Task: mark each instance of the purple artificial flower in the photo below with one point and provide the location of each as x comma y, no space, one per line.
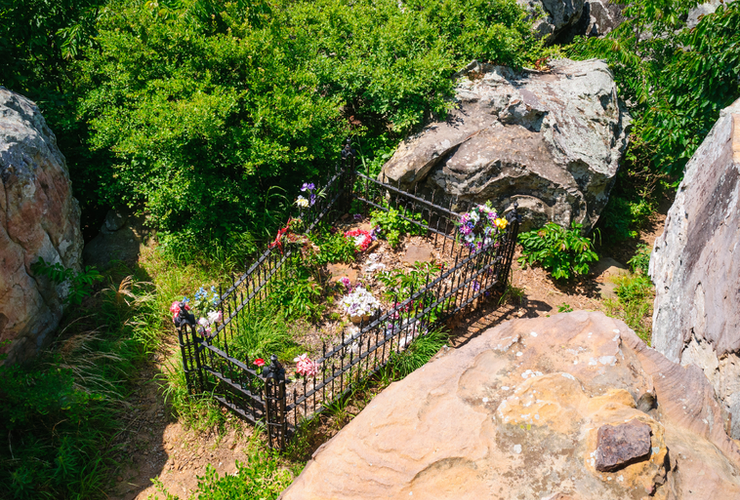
476,285
308,186
357,216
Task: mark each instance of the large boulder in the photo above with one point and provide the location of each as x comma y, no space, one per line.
38,218
552,18
550,141
574,406
695,265
560,21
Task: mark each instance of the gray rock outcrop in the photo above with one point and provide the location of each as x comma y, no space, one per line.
559,21
550,141
703,9
553,17
532,409
38,218
695,266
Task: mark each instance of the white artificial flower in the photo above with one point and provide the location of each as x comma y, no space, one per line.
215,317
302,202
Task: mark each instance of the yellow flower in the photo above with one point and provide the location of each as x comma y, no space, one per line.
501,223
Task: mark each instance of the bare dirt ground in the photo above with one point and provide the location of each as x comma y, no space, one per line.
156,446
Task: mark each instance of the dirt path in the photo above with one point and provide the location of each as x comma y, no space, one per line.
155,445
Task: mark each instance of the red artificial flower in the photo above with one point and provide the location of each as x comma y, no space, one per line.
361,237
259,362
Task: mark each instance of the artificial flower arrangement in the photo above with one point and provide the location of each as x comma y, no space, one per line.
361,237
202,306
309,188
305,366
359,304
288,236
480,226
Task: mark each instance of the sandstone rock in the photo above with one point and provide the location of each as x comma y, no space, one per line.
515,414
38,218
622,445
695,266
549,141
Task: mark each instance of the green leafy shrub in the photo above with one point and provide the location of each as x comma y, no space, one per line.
80,284
564,252
393,226
676,79
333,247
299,294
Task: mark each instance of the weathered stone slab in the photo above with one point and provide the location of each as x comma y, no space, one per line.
622,445
418,253
515,414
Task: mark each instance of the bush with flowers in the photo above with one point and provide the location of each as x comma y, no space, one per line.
359,303
480,227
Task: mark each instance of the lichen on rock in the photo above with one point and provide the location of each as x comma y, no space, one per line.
39,217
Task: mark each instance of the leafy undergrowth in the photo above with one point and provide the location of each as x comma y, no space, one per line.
635,296
63,414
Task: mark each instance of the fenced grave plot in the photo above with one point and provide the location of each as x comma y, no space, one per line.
414,299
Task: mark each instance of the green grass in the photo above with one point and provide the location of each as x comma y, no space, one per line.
61,412
635,296
263,476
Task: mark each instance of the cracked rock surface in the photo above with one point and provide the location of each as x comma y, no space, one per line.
550,141
516,414
38,218
695,266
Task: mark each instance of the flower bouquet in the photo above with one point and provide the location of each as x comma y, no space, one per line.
360,305
203,306
287,236
361,237
480,227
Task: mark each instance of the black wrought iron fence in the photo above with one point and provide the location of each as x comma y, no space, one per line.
270,398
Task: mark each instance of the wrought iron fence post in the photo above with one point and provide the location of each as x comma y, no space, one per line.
190,353
277,423
186,361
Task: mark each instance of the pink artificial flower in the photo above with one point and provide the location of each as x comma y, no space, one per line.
361,237
306,366
215,317
346,282
259,362
175,308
